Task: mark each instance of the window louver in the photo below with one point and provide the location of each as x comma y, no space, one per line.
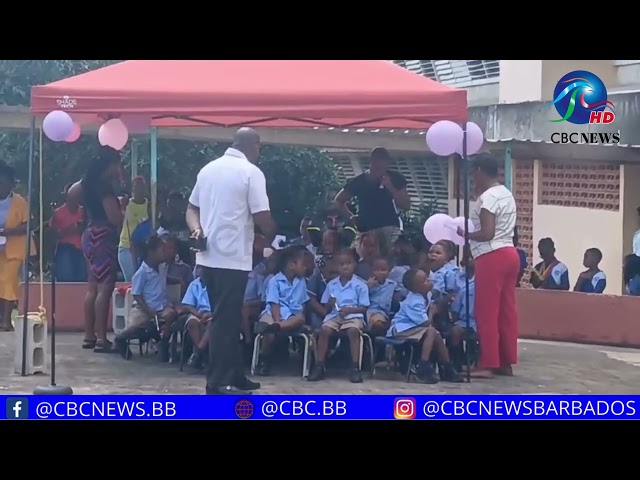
461,73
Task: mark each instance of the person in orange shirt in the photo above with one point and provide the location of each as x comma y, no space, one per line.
67,222
14,213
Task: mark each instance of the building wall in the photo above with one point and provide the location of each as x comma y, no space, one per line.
630,192
578,205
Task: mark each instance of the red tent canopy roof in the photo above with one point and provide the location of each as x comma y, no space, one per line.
277,93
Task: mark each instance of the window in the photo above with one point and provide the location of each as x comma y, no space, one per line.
459,73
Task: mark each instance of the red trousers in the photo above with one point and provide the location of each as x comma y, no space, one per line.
496,277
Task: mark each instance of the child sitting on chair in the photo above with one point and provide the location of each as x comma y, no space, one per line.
412,322
149,290
381,295
592,280
444,274
196,304
316,285
459,313
346,300
286,297
550,273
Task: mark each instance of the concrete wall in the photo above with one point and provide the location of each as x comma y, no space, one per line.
543,315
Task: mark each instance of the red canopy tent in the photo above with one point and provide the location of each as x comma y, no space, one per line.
266,93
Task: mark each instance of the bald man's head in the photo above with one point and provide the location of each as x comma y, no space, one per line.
247,141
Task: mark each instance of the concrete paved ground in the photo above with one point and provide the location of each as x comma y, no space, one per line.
545,367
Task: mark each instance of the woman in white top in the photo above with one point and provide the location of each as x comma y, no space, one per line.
497,267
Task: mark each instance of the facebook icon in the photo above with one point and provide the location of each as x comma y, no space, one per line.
17,408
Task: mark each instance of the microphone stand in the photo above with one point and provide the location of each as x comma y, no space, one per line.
53,388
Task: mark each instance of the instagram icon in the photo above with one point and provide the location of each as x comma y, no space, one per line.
404,408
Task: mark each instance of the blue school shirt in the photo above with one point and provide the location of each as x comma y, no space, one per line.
558,279
151,285
412,313
290,296
265,284
381,297
396,275
253,290
355,293
597,284
458,305
445,279
197,296
633,286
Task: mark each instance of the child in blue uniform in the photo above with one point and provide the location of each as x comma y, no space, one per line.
253,299
460,326
412,322
286,298
316,285
345,300
521,254
196,304
444,274
631,273
550,273
404,257
381,295
592,280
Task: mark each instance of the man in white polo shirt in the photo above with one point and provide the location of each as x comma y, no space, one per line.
229,198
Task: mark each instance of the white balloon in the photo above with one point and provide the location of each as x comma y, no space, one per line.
459,223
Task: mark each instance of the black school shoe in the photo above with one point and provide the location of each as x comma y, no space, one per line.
356,375
264,368
425,373
318,373
122,346
448,374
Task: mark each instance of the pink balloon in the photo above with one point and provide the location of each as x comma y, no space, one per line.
57,125
114,134
444,138
459,222
438,227
75,134
475,140
136,124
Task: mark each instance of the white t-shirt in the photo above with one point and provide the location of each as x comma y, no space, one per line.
228,191
499,201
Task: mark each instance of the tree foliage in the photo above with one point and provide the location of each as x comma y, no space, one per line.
296,177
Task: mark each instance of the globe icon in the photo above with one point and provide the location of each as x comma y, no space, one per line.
244,409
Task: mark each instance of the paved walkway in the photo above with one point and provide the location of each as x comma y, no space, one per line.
545,367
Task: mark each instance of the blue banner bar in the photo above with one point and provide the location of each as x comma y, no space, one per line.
322,407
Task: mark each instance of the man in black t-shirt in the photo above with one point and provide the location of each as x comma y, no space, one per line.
380,193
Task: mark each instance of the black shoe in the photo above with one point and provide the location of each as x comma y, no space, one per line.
449,374
426,374
355,376
228,390
244,384
318,373
195,361
264,368
123,348
163,351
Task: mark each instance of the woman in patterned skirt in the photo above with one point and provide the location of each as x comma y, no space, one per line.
97,191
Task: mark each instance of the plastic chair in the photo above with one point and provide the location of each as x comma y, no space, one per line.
402,344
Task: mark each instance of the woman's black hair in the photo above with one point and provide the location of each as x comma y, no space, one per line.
153,243
631,267
487,164
93,185
290,254
7,172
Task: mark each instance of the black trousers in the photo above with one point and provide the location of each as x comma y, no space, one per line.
226,294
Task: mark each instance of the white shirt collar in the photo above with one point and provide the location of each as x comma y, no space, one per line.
232,152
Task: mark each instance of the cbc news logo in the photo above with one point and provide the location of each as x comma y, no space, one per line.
404,408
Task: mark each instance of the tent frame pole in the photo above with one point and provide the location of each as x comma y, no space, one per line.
465,166
154,175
